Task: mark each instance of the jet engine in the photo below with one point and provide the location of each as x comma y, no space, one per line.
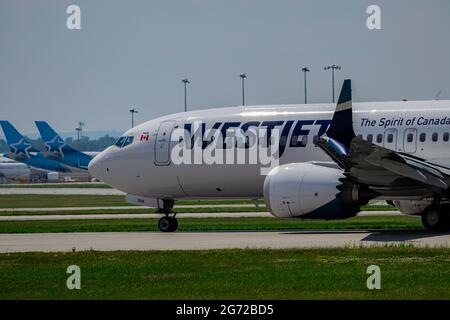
313,190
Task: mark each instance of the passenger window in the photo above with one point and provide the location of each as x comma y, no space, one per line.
305,140
282,141
369,138
423,137
435,137
390,138
359,136
379,138
315,139
410,137
446,136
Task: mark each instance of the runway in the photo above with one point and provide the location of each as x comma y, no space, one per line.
143,241
43,217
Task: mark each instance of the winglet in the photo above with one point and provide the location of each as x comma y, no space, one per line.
341,127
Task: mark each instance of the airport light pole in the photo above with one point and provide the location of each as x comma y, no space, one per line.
186,82
133,112
79,130
305,70
243,77
332,68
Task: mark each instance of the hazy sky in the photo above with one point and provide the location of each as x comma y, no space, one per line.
135,53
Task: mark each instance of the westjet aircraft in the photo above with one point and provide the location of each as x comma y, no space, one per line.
57,150
330,160
23,151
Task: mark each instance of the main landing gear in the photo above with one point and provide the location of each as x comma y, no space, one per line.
168,223
436,218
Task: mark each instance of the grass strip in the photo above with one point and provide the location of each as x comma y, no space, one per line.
208,224
406,273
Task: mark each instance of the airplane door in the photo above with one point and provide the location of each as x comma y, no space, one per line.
410,140
390,139
162,145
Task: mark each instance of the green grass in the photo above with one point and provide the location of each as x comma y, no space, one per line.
209,224
58,186
56,201
406,273
218,202
137,210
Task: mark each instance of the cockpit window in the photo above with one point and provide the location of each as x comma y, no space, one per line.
128,140
124,141
120,141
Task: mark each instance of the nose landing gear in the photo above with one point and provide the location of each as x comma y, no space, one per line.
168,223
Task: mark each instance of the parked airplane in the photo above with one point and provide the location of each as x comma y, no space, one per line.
12,170
23,151
332,160
57,150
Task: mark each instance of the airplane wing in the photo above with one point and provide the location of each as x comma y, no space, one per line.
387,172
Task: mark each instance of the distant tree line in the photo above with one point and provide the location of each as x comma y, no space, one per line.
84,144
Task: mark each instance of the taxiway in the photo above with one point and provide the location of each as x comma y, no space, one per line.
113,241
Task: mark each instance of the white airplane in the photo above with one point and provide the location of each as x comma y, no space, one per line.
12,170
332,160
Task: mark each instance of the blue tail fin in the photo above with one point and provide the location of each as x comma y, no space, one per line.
341,127
53,142
46,132
57,149
11,134
16,141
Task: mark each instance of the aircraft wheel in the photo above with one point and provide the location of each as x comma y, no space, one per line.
174,224
167,224
435,220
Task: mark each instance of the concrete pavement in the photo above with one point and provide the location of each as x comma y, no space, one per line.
113,241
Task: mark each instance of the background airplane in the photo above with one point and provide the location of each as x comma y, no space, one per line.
58,150
13,170
23,151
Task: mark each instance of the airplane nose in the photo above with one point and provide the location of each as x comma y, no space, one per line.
97,167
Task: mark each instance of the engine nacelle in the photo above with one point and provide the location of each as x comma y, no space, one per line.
313,191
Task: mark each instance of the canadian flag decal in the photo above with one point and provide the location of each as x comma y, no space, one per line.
145,136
